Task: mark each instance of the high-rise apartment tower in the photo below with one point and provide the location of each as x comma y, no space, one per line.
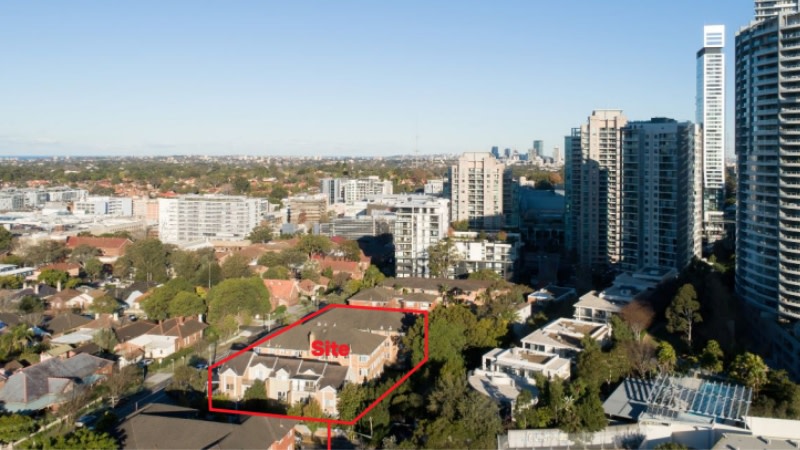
710,115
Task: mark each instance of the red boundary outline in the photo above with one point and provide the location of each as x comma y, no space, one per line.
299,322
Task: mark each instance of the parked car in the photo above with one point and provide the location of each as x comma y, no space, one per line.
87,421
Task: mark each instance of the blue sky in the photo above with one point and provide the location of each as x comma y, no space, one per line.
340,78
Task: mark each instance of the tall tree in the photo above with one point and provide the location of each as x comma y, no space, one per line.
313,244
442,258
147,258
712,357
6,239
93,268
750,370
260,234
53,277
684,312
351,250
186,304
45,252
238,296
157,304
83,252
667,358
236,266
105,304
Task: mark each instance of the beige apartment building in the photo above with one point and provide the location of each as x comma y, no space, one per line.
593,188
476,192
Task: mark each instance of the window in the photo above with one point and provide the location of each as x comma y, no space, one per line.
363,358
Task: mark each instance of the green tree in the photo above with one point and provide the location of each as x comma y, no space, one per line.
105,339
80,439
6,238
485,275
255,397
186,304
314,244
83,253
45,252
351,250
53,277
372,277
592,363
712,357
667,358
147,260
236,266
104,304
779,398
750,370
684,312
11,282
15,426
93,268
461,225
260,234
237,296
30,304
156,305
277,273
442,258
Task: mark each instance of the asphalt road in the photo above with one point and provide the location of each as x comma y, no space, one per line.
150,394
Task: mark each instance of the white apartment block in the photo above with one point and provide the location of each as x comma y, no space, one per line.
104,206
661,201
487,252
421,222
593,188
711,117
204,217
476,192
359,190
434,187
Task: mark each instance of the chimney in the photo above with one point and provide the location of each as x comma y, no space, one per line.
200,318
36,288
58,286
96,316
116,317
311,338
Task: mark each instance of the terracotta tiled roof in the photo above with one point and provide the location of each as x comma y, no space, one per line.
283,289
337,265
97,242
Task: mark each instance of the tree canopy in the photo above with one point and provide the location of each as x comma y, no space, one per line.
146,260
684,312
157,304
442,258
237,296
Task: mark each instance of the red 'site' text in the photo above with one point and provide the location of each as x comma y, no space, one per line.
329,348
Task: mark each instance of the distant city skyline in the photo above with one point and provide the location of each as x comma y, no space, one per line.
350,78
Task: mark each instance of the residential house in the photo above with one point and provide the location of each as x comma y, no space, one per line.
389,298
64,299
110,248
593,308
563,337
167,426
288,379
65,322
355,269
168,337
549,350
372,336
49,383
469,291
282,292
